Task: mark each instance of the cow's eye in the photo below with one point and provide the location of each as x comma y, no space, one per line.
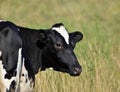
58,46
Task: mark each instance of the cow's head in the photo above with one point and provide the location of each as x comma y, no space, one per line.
58,52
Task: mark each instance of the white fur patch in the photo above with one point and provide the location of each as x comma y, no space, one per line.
19,64
0,53
24,72
26,84
2,20
51,68
7,82
4,82
19,68
62,31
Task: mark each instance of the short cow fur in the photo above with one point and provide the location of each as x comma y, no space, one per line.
41,49
46,48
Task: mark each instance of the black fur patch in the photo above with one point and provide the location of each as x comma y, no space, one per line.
9,75
58,25
12,87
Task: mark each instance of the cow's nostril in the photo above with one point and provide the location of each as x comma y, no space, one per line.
77,71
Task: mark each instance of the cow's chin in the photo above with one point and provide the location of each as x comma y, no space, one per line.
73,71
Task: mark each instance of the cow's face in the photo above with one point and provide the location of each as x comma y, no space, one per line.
59,52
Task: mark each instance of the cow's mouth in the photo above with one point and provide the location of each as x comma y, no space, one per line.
74,71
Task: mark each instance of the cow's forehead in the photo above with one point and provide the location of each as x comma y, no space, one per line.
63,32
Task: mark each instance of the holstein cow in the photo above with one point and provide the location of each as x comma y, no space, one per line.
10,57
45,48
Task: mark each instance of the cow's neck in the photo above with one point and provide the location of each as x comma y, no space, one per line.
31,52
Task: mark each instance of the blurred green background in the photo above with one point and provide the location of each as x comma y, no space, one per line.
98,52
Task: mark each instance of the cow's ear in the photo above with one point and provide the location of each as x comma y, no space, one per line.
75,37
42,39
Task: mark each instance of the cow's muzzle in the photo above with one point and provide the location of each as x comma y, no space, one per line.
76,71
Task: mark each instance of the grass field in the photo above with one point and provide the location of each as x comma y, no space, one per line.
98,52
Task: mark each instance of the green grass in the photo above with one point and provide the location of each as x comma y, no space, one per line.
98,52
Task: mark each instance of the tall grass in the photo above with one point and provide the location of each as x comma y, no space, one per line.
98,52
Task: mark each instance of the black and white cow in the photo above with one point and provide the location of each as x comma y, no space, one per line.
41,49
45,48
10,57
